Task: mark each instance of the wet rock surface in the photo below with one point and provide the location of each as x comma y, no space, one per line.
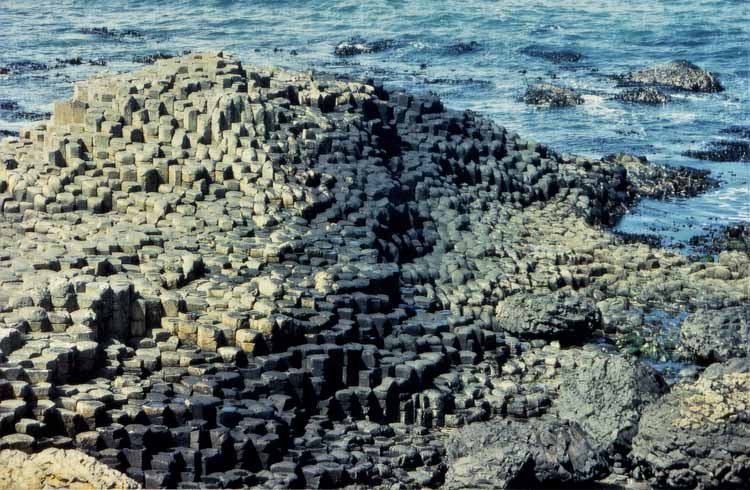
647,95
678,74
357,46
723,151
554,55
549,95
222,276
697,436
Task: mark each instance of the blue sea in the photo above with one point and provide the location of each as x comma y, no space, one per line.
488,73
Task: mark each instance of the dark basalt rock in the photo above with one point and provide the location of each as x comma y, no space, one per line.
463,47
606,395
511,454
547,94
723,151
739,131
106,32
150,59
356,46
679,74
555,56
698,436
569,317
730,237
641,95
718,335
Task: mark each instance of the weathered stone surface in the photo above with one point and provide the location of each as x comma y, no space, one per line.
510,454
716,335
58,468
698,436
606,395
554,316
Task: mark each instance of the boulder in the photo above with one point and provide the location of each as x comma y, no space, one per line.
718,335
698,436
508,453
679,74
606,395
563,316
547,94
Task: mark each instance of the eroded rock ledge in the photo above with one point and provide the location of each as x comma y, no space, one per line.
220,276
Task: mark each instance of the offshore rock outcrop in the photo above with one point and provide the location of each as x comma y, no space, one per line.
219,276
678,74
549,95
641,95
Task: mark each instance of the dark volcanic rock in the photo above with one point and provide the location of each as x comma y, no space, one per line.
546,94
698,436
739,131
723,151
106,32
356,46
729,237
553,55
463,47
508,453
150,59
679,74
718,335
606,395
643,95
570,317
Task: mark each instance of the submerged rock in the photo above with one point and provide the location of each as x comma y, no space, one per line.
698,436
606,394
356,46
648,95
463,47
512,454
553,55
106,32
718,335
547,94
723,151
570,317
679,74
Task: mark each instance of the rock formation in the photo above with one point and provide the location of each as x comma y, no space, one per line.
221,276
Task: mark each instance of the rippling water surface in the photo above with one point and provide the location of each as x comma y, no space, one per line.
613,37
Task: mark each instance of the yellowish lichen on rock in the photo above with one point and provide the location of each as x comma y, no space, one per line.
714,401
58,468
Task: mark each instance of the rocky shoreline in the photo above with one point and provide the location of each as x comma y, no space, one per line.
217,276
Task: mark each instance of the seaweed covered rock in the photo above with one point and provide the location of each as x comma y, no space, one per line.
565,316
716,335
678,74
549,95
698,436
512,454
643,95
606,395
